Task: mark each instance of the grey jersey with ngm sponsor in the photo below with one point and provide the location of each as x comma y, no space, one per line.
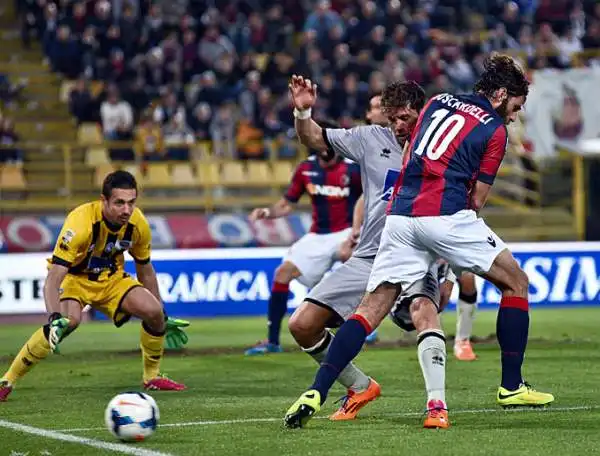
379,155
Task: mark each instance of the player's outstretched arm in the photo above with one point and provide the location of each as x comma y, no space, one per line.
58,324
281,208
55,277
304,97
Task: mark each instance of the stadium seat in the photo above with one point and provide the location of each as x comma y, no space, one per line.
182,175
208,173
282,173
11,178
259,174
96,156
89,134
233,175
100,173
65,91
157,176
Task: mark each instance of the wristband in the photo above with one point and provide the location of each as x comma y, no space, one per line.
302,114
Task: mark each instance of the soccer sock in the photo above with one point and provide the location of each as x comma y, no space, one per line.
152,345
277,309
512,329
467,305
431,350
351,377
345,347
34,350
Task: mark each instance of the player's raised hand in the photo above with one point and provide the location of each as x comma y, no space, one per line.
259,213
303,92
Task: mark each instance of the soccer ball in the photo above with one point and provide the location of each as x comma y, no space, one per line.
131,417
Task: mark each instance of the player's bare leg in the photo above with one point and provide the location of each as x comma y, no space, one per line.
466,308
512,328
284,274
348,342
37,348
140,303
431,350
308,326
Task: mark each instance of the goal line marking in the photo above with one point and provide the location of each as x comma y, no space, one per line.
60,435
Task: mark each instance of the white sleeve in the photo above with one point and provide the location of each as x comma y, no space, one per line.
346,142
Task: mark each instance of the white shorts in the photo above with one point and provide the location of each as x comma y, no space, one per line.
314,254
409,245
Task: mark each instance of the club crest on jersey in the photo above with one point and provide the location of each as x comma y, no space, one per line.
328,190
109,247
122,245
388,186
66,239
344,180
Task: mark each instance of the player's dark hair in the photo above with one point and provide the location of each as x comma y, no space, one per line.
501,71
118,179
401,94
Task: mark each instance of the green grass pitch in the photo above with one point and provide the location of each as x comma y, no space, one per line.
234,405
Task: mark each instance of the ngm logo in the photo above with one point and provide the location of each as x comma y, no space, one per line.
388,186
328,190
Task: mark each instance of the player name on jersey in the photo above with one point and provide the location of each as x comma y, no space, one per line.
467,108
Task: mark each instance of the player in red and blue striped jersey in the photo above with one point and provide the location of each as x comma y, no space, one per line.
333,186
455,153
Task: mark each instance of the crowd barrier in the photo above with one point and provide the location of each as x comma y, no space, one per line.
173,231
237,282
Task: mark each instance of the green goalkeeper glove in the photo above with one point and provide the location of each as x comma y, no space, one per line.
59,329
175,337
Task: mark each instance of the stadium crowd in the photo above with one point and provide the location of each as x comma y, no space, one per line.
219,70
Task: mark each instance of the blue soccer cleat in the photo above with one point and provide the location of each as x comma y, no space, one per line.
262,348
372,338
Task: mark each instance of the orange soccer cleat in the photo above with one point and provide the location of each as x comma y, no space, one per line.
463,350
354,401
437,415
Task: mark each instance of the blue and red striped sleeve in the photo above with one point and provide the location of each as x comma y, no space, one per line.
493,155
297,187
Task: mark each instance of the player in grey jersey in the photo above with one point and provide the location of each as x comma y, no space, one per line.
378,150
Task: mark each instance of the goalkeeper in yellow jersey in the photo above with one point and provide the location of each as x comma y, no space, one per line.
87,267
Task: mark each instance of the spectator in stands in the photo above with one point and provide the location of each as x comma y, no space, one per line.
168,108
82,105
116,116
200,121
322,20
149,144
222,132
178,138
213,46
8,139
65,56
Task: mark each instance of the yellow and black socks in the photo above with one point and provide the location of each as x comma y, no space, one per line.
34,350
152,345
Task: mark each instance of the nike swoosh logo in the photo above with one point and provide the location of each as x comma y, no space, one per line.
133,404
310,396
506,396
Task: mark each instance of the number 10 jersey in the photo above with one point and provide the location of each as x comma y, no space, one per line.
458,140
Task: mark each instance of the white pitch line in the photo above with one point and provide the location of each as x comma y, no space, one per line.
384,415
57,435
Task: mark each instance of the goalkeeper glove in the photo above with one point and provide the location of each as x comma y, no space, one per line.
175,337
59,329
